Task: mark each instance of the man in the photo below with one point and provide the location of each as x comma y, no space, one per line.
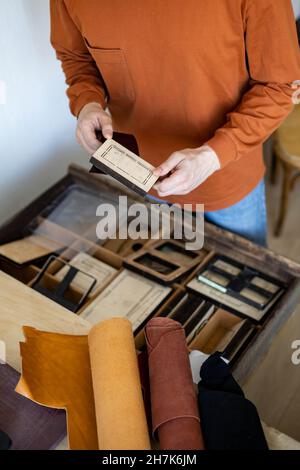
201,84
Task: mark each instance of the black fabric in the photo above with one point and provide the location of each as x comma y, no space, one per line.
5,441
228,420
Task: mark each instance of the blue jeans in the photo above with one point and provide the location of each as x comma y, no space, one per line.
247,218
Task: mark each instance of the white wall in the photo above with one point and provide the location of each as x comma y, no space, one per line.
37,132
296,5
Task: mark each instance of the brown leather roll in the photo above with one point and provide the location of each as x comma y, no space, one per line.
175,414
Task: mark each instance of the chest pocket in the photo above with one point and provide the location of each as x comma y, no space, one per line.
115,74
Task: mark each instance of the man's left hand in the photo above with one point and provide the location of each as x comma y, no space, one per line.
189,168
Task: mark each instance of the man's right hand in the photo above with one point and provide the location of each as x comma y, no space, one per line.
93,118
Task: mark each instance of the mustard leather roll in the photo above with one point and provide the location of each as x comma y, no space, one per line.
120,413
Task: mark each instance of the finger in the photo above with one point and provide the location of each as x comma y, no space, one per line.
84,144
106,125
176,192
78,136
82,141
165,167
173,182
88,132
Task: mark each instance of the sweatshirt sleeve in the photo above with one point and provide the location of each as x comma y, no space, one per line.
83,78
274,64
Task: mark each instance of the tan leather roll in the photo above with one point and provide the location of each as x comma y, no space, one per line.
120,412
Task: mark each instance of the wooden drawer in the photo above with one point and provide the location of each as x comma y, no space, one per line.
216,240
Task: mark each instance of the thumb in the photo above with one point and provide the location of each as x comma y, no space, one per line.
167,166
106,125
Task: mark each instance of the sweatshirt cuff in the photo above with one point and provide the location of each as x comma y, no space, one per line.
224,147
87,97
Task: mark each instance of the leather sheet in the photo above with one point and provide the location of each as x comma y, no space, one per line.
95,378
29,425
229,420
175,415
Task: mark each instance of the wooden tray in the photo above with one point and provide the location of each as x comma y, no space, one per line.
216,240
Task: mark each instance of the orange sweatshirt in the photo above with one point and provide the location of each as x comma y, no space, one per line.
181,73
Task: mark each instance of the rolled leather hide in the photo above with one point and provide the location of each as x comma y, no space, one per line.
175,414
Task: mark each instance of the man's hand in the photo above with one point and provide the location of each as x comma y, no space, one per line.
93,118
189,168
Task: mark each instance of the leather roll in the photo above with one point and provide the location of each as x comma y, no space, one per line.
175,414
120,413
